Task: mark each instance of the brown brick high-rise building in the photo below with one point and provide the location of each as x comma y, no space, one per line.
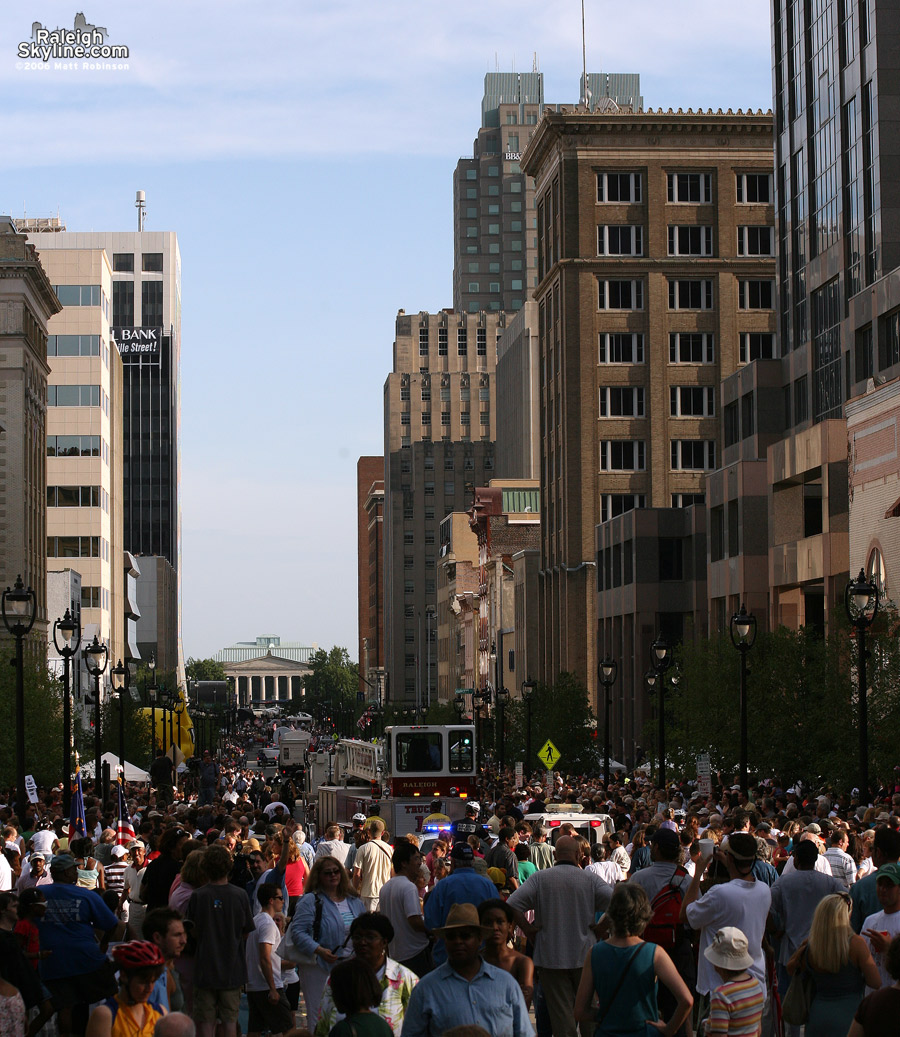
655,280
370,560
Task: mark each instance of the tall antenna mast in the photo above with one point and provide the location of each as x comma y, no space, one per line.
141,207
583,59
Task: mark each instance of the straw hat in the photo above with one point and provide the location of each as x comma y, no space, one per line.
463,916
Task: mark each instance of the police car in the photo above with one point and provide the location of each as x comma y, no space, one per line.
592,826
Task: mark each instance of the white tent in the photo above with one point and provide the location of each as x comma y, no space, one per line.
132,772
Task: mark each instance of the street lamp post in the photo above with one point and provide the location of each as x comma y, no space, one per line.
527,694
180,707
743,636
19,608
151,698
607,671
861,600
97,659
68,630
661,658
119,674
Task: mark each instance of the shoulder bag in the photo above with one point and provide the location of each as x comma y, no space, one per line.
799,997
288,949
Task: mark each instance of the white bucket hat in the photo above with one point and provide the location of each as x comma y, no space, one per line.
729,950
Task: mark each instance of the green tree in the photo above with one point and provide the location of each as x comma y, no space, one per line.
331,690
136,729
204,670
43,720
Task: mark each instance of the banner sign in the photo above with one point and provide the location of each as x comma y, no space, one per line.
138,342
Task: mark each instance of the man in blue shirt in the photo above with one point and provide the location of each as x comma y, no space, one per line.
465,990
462,886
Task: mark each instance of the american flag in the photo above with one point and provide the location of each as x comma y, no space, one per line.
77,822
365,719
124,828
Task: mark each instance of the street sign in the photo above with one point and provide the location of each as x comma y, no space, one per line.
549,755
704,775
463,691
31,788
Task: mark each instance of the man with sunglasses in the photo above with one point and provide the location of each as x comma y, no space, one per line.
266,999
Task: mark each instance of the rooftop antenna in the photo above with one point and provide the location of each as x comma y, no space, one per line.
534,63
140,205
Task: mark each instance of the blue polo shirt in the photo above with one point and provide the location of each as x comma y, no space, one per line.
67,929
444,999
462,886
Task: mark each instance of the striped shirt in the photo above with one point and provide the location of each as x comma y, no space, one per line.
115,874
736,1008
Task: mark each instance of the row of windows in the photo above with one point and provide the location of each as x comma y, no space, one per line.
462,341
77,396
77,497
465,393
687,455
689,347
78,446
94,598
690,240
73,345
465,417
614,504
151,262
684,294
78,547
685,401
82,295
689,188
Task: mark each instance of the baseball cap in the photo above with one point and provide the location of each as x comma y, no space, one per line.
62,862
462,852
38,857
118,850
136,844
891,872
742,846
667,839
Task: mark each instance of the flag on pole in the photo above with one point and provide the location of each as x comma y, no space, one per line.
124,827
77,822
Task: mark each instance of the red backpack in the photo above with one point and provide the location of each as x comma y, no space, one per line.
665,927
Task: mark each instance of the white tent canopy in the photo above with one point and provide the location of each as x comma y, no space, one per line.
132,772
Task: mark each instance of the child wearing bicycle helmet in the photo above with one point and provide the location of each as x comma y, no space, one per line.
128,1014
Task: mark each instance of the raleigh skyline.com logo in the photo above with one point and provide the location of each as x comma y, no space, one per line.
83,40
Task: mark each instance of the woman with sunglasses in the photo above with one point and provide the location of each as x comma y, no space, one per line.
370,935
320,927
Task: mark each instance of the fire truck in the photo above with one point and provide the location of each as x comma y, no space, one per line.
400,777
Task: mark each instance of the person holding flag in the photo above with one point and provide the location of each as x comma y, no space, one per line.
124,827
77,821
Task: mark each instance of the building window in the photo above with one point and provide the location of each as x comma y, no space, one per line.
152,304
691,348
690,295
755,345
621,402
76,446
90,597
123,262
625,348
864,356
409,562
754,187
620,240
442,341
426,393
687,500
619,455
889,341
404,391
801,400
481,341
618,187
614,504
78,294
73,345
692,401
671,558
123,304
152,262
693,455
464,417
77,497
690,241
748,415
494,286
471,232
621,295
756,241
423,341
76,547
690,187
756,295
75,396
473,286
426,417
465,394
731,421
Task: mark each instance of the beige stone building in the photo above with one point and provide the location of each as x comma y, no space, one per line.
655,281
27,303
84,442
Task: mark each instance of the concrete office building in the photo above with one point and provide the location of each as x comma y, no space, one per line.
456,610
27,303
655,280
439,434
145,317
84,442
837,155
494,259
518,397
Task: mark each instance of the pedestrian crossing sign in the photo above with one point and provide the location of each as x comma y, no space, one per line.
549,755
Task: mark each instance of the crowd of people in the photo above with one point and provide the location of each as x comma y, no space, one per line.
211,909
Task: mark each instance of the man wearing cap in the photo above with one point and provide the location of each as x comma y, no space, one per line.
76,972
881,927
465,990
462,885
565,900
742,902
885,850
665,851
372,865
462,829
35,873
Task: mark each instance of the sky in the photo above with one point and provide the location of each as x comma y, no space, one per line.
304,155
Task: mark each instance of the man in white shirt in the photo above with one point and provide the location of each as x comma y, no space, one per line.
821,864
742,902
333,845
879,929
399,900
372,864
6,876
266,999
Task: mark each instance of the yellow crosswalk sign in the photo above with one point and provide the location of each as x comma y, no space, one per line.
549,755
